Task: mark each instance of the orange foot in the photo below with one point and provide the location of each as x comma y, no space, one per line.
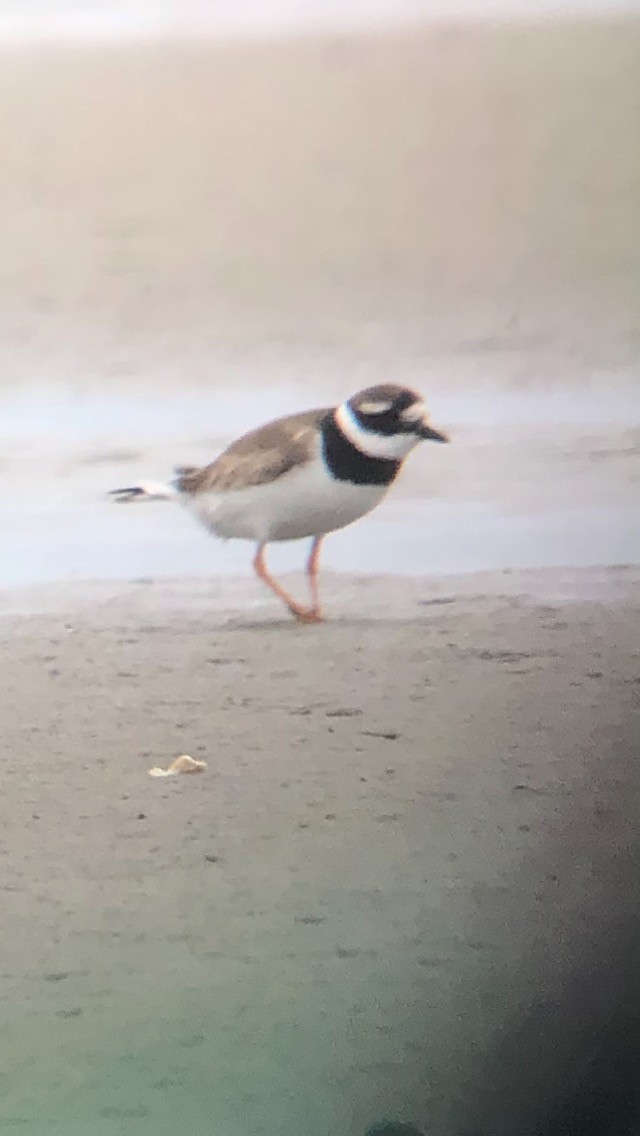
307,614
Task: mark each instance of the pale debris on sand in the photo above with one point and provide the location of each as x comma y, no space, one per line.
182,764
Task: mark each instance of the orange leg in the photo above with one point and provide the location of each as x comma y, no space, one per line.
313,568
304,614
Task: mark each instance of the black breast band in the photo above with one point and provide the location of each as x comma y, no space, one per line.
347,463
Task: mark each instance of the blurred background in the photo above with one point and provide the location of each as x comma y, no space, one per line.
213,213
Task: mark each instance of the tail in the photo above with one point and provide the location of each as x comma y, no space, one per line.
154,490
146,491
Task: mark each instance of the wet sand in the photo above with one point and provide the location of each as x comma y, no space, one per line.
416,835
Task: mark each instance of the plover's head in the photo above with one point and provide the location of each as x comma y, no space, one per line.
387,421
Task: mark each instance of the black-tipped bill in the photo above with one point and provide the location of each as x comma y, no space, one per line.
423,430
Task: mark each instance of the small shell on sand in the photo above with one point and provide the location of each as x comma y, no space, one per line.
182,764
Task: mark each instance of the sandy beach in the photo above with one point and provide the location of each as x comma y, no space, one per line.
412,852
406,885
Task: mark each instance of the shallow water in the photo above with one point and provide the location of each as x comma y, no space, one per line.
533,478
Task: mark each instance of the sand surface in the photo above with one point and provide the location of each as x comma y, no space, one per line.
389,894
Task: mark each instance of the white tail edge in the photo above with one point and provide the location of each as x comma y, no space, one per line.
145,491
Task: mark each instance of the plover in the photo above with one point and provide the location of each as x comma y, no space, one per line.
305,475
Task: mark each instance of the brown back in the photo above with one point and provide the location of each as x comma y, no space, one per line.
261,456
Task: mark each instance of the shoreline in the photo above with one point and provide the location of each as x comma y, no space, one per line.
242,596
532,480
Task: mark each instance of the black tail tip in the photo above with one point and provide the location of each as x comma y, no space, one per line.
128,494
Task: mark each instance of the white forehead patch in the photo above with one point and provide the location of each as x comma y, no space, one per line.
390,447
417,412
374,407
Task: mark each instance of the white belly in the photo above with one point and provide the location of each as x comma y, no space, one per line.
304,502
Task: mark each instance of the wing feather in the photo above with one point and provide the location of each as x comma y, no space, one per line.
259,457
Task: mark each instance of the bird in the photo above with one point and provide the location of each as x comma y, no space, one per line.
302,476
